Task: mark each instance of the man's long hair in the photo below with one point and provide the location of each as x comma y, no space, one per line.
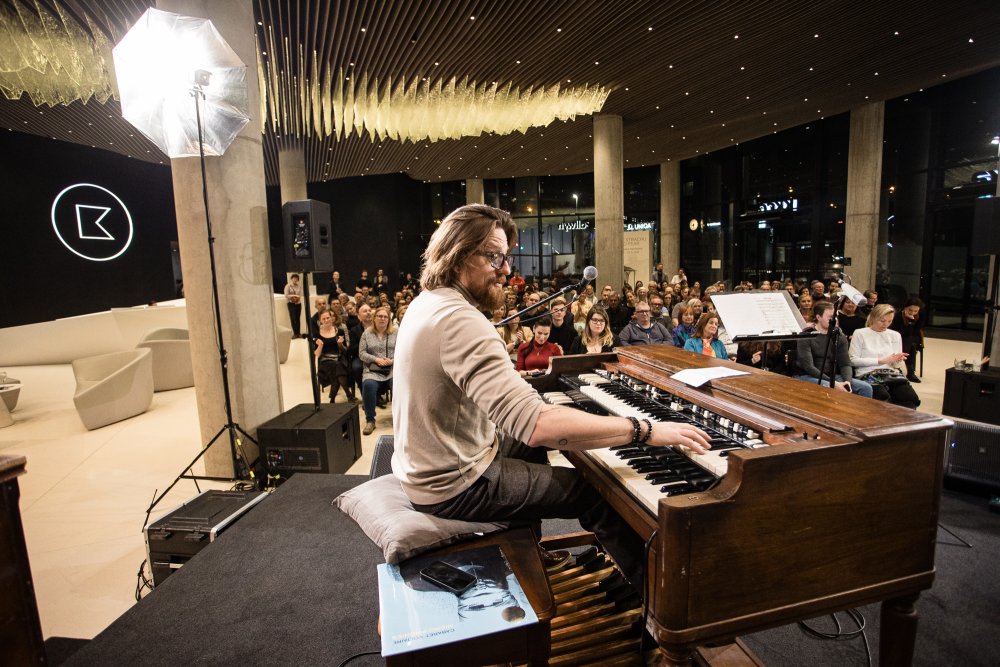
464,232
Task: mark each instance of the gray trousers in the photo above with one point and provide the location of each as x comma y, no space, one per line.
519,485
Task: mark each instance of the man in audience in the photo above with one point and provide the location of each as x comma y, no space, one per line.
363,283
320,304
606,293
518,282
335,288
364,320
644,331
659,316
562,332
658,276
619,314
818,291
812,352
491,464
293,295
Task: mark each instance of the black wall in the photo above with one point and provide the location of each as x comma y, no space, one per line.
42,278
375,222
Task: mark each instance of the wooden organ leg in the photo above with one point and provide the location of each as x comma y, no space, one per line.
898,632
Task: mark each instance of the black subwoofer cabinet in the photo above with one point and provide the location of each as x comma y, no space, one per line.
304,439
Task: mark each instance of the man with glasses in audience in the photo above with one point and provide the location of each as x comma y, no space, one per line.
471,434
643,330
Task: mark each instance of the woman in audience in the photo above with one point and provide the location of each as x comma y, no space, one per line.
331,352
377,349
533,356
686,328
513,334
579,311
849,317
909,324
597,336
806,306
876,352
706,338
400,311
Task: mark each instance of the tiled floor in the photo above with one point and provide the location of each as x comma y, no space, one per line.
84,498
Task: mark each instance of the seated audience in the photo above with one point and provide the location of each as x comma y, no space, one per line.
910,326
333,365
596,336
533,356
771,356
850,319
806,307
686,328
321,305
706,338
620,315
644,331
876,352
813,352
563,330
513,334
377,349
660,314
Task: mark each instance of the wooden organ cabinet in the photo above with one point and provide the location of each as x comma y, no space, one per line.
824,500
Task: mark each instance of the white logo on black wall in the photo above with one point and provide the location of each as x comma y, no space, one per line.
92,222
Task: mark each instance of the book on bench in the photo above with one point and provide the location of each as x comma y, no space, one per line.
416,614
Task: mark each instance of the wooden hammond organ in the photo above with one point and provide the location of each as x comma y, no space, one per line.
826,500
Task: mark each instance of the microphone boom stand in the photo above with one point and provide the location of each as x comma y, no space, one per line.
832,341
562,292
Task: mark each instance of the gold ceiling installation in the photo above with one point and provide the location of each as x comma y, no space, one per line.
419,110
52,58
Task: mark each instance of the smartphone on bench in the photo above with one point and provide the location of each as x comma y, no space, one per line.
447,577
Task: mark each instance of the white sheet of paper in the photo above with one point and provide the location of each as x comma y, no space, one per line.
695,377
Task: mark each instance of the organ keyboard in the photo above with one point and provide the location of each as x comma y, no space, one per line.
811,501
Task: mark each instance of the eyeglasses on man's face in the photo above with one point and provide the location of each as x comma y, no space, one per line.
498,259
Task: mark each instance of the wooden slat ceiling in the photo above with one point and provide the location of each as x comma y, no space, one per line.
686,76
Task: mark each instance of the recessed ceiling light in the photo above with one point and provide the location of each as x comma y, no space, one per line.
597,62
815,36
736,36
650,28
472,18
364,30
558,29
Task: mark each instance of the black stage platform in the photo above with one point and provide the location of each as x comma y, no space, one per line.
291,583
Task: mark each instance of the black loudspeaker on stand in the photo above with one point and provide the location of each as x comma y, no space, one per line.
308,236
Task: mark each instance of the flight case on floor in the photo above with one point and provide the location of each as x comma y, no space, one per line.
177,537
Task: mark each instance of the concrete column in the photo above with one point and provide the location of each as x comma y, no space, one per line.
474,191
292,174
670,217
864,181
238,209
609,202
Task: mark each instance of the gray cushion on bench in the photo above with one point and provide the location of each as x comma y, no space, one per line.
386,516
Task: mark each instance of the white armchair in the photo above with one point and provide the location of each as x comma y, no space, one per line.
112,387
283,336
171,358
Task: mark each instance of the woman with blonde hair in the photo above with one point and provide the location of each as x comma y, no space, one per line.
377,349
877,356
596,336
513,334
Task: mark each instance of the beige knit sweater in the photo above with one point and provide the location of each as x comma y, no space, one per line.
453,387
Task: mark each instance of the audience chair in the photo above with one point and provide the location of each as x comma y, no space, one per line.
112,387
171,350
382,458
283,338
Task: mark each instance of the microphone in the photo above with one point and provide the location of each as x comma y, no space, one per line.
589,276
852,293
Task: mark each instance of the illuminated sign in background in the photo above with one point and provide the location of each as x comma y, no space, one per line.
84,230
92,222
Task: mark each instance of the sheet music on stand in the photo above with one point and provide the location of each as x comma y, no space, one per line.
760,316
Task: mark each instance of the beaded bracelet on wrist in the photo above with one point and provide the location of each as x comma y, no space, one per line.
649,431
636,431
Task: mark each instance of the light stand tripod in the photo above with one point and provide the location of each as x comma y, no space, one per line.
242,469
